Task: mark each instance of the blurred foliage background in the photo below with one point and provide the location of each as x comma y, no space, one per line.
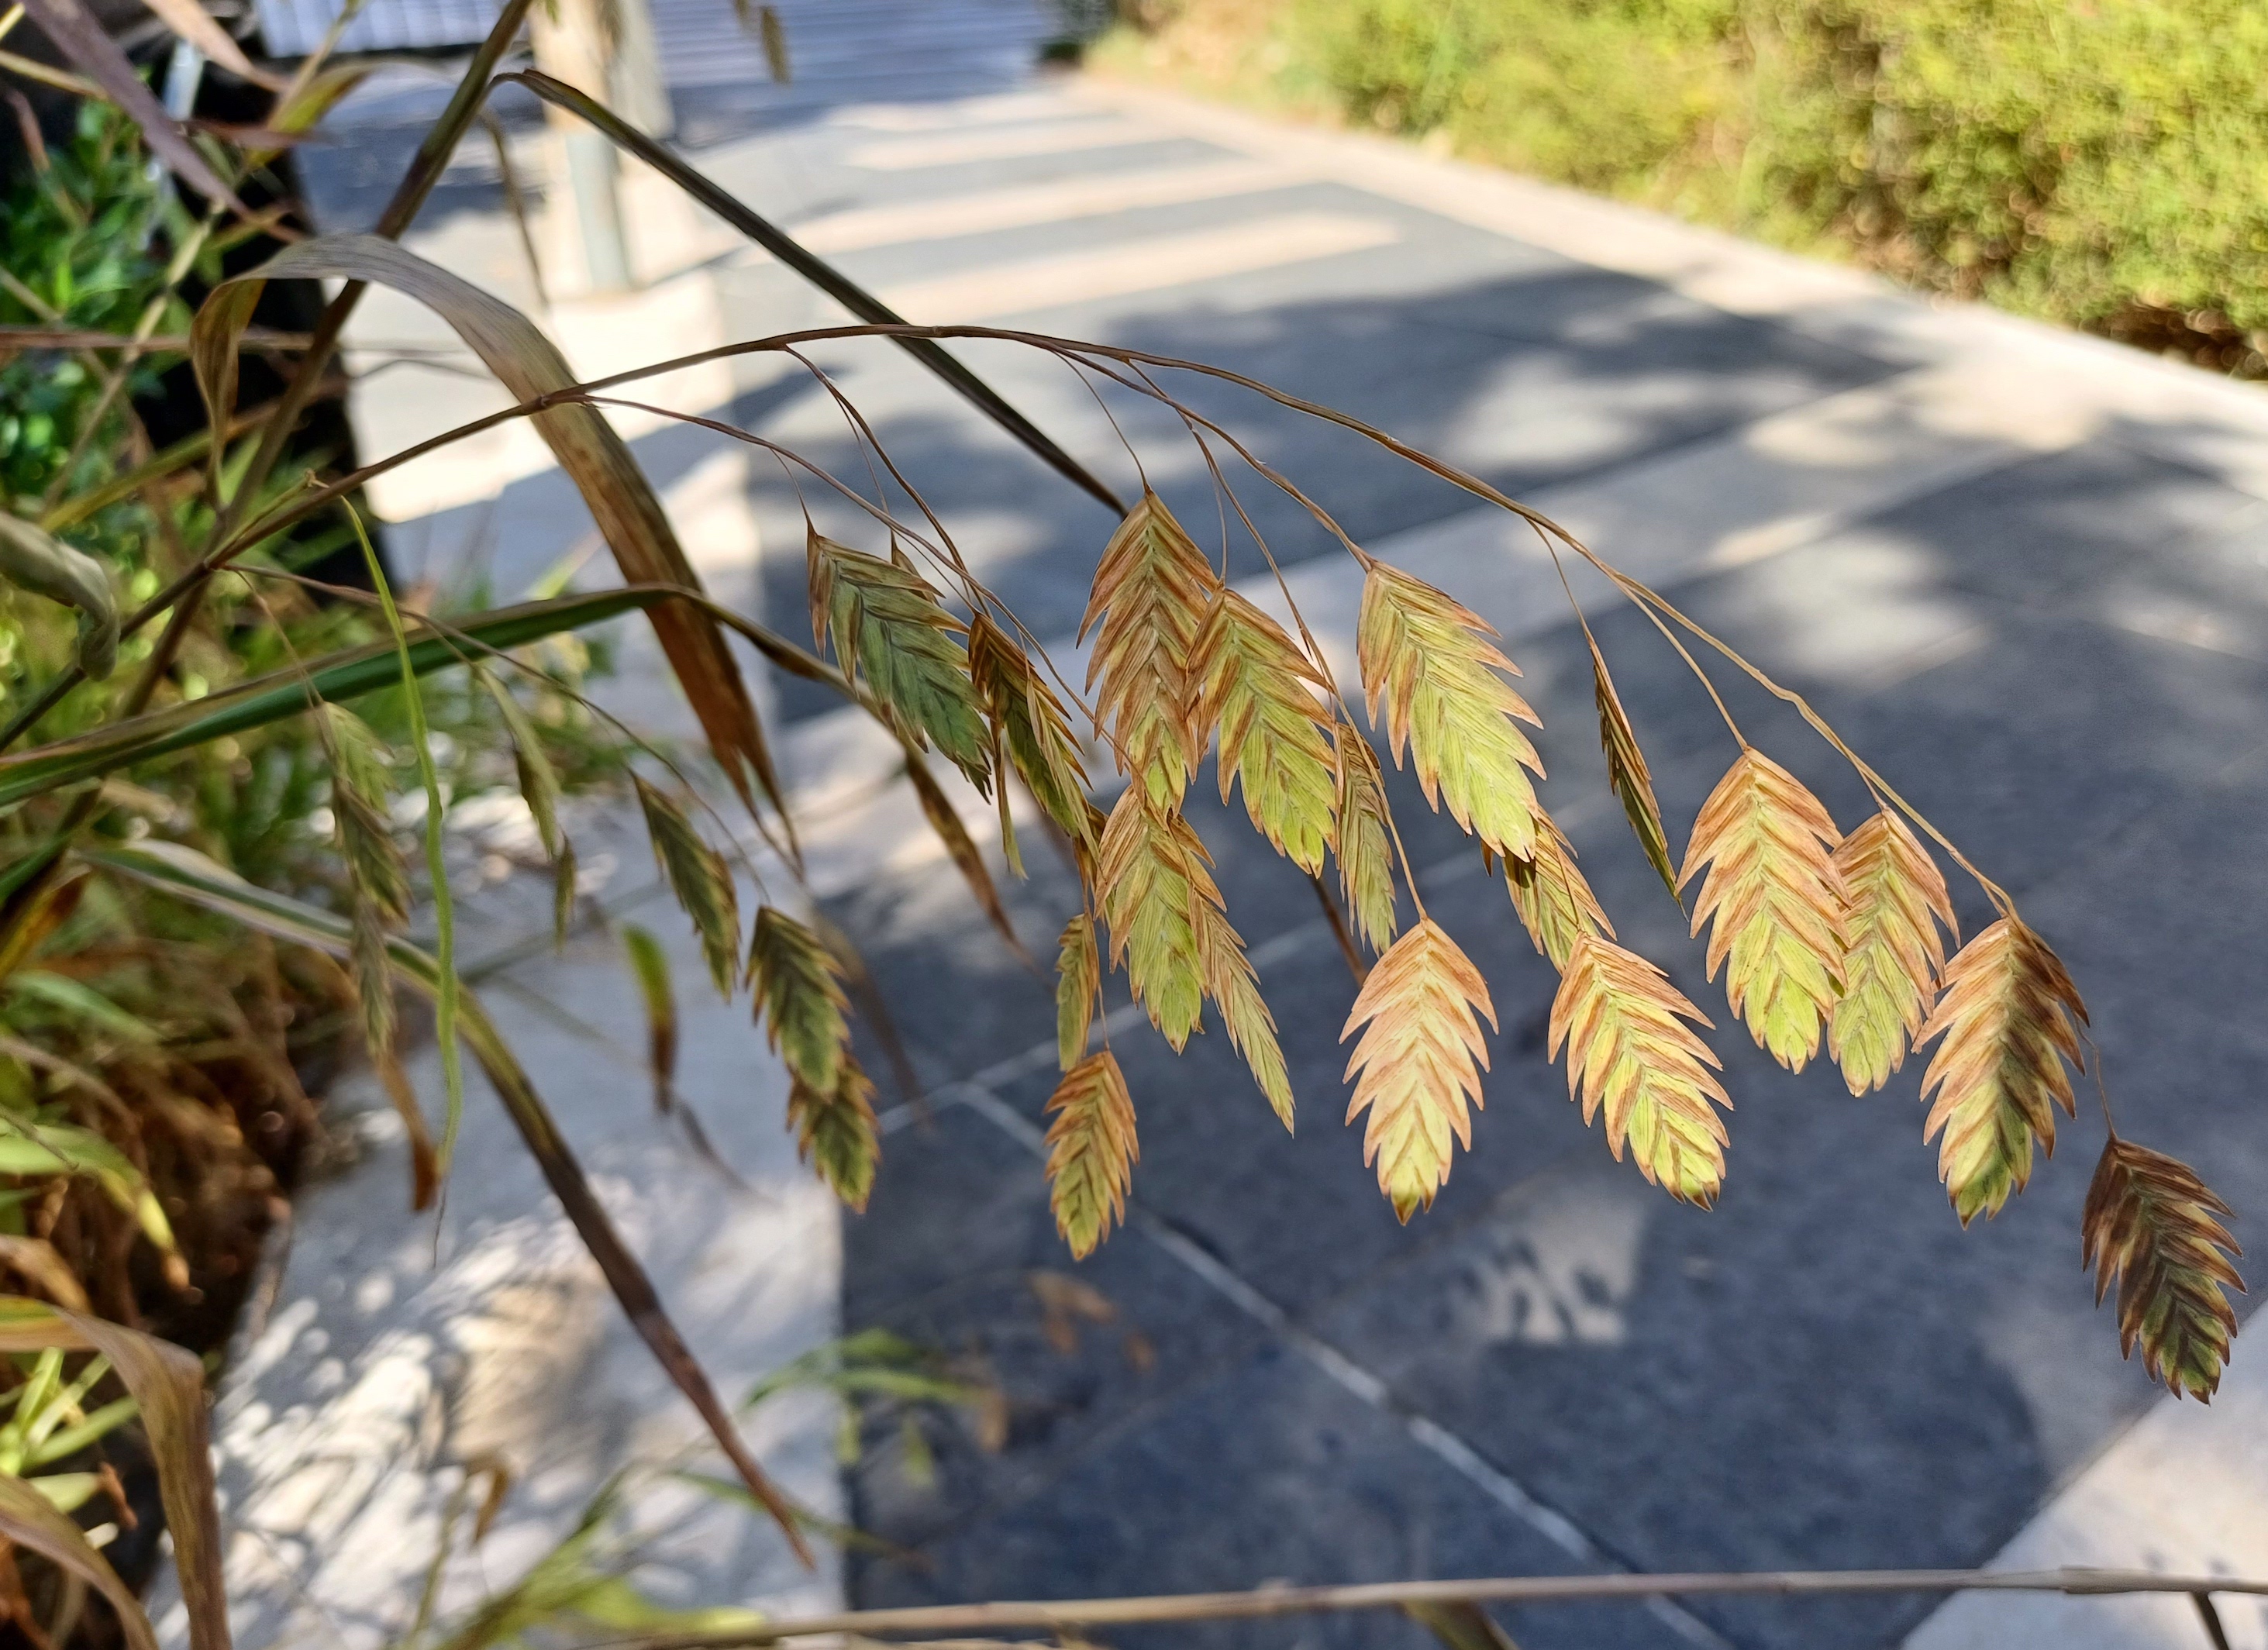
2092,162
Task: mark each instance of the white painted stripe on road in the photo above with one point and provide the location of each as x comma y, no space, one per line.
1056,203
1138,265
908,154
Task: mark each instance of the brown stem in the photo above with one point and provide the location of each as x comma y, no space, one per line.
1337,917
1303,1601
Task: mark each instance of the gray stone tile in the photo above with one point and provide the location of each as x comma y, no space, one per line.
1824,1371
959,1229
1267,1469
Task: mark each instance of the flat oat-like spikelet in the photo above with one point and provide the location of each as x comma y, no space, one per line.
1091,1152
1153,880
1151,591
1626,771
1553,898
800,998
1365,852
1429,661
888,630
835,1131
1776,901
1420,1059
1033,728
1254,682
1631,1054
702,881
1897,900
2152,1224
1078,977
1998,1075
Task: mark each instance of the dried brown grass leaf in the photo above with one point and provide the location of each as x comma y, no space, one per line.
1632,1056
1775,901
1998,1075
1898,901
1092,1150
2152,1224
1428,660
1419,1063
621,499
1151,591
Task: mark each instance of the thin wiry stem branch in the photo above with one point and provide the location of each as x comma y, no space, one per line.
1554,1589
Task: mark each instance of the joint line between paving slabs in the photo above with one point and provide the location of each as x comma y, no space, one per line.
1429,1434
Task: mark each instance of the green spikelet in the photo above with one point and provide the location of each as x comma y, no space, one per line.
888,630
799,998
1256,685
1428,661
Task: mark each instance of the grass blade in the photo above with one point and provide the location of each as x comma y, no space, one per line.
168,1384
270,698
619,497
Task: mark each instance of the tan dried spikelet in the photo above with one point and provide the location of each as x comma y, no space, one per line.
1777,901
1420,1059
1998,1075
1032,729
889,631
1428,660
1553,898
1256,684
1151,591
1079,977
835,1132
1632,1054
698,876
1167,926
1092,1150
799,1000
1364,850
2151,1223
1627,773
1897,900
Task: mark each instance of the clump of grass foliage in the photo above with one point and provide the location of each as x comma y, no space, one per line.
2091,164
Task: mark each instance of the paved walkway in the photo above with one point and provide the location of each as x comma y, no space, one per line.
2026,573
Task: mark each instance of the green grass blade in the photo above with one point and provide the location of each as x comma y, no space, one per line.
337,677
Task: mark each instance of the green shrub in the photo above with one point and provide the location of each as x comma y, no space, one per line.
2097,163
